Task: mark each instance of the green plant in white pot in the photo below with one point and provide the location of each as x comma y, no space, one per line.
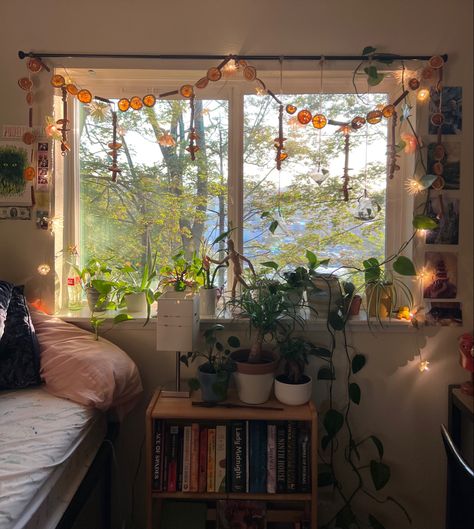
214,374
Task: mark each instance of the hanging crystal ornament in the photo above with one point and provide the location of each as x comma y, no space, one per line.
114,146
367,208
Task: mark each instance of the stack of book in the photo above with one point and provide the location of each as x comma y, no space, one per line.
238,456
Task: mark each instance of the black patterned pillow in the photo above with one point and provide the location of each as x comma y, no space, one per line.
5,297
19,348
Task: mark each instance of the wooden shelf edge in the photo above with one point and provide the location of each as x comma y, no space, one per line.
203,496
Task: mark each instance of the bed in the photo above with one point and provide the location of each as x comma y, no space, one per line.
56,433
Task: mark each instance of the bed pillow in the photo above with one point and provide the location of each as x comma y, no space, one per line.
91,372
19,349
5,297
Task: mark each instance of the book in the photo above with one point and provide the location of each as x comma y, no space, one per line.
187,459
241,514
258,456
179,480
303,460
194,457
173,458
202,479
166,437
291,456
247,458
238,457
281,457
158,427
271,458
221,457
211,460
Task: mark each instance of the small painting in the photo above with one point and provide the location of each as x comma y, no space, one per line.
446,210
444,313
239,514
15,157
451,108
451,163
440,275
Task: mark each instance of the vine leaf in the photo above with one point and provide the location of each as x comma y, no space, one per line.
345,518
325,476
336,321
333,421
271,264
273,226
378,444
233,341
321,352
404,266
354,392
368,50
325,373
380,473
122,317
374,523
358,362
422,222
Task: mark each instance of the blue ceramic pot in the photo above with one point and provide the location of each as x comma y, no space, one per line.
213,386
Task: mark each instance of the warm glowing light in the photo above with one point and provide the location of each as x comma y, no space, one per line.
422,233
424,366
43,269
410,142
423,95
260,91
230,68
294,124
414,186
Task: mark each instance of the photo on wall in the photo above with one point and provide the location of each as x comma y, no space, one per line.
440,275
451,163
241,514
446,210
15,190
451,108
444,314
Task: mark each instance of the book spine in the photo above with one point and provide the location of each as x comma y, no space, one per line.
211,460
202,481
187,459
247,456
304,465
258,457
194,457
281,457
238,457
173,458
291,458
158,448
179,479
166,442
221,457
271,458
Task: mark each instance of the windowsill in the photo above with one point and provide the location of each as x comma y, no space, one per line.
355,324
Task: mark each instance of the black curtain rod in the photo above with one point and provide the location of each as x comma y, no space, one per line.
376,56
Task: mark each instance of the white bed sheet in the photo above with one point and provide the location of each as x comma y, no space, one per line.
46,447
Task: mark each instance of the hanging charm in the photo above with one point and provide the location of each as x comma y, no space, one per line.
367,208
346,177
63,123
393,167
114,146
279,142
193,136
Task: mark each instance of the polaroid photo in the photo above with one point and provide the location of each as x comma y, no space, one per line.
446,210
440,275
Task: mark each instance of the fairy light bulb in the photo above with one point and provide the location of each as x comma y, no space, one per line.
230,68
260,91
423,95
424,365
43,269
414,186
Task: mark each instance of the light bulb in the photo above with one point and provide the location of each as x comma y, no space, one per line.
43,269
423,366
423,95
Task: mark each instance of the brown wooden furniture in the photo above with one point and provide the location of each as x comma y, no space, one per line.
280,507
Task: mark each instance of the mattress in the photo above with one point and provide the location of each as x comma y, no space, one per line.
46,447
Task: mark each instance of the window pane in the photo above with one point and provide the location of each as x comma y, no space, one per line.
305,197
160,191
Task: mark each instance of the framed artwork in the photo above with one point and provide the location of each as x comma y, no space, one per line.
15,157
451,108
440,280
444,314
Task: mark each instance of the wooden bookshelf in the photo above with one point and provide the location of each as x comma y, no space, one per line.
181,409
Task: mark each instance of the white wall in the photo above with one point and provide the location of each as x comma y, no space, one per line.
400,405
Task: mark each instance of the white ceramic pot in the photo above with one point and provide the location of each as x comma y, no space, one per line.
136,302
324,298
208,301
293,394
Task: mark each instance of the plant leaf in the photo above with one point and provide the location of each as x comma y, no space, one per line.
374,523
321,352
312,259
336,321
194,384
368,50
271,264
122,317
325,475
354,392
221,237
422,222
378,444
233,341
333,421
326,374
404,266
358,362
427,179
380,473
345,518
273,226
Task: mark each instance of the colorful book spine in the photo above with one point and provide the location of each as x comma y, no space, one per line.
247,456
281,457
291,456
221,457
202,480
211,460
304,461
271,458
179,481
173,458
238,457
258,457
158,448
187,459
166,442
194,457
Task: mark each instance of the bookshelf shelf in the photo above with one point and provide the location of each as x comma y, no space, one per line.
180,410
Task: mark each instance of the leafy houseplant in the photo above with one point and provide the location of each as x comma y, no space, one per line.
208,291
214,373
95,277
182,274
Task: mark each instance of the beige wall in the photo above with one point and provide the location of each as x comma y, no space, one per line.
401,406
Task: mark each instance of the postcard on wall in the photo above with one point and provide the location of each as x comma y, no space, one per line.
451,163
241,514
15,157
446,210
43,166
440,278
451,108
443,313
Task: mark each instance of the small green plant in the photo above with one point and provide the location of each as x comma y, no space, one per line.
182,273
294,356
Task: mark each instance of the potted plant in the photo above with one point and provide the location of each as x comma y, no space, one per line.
293,386
214,374
208,291
95,277
181,276
351,301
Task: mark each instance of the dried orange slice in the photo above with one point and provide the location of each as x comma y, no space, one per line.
186,91
202,83
291,109
123,104
214,74
58,81
136,103
388,111
283,155
149,100
319,121
250,73
25,83
438,183
436,62
427,73
437,119
438,168
413,83
374,117
84,96
242,63
114,146
358,122
439,152
29,173
72,89
28,138
34,65
304,117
